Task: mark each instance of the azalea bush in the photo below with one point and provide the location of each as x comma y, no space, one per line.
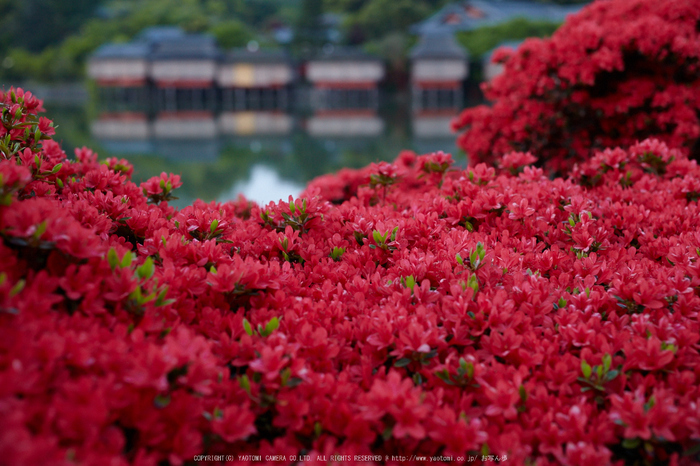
615,73
402,309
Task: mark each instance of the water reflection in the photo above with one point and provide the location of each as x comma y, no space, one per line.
265,153
263,185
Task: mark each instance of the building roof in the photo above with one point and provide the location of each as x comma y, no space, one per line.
244,55
472,14
134,51
157,34
436,44
335,53
162,43
202,46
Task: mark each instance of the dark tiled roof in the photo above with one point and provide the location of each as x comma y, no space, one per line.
157,34
438,45
131,50
187,46
162,43
345,54
243,55
473,14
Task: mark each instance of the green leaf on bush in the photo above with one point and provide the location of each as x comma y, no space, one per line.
112,258
691,451
586,369
40,229
161,401
410,282
284,375
631,443
402,362
127,260
147,269
523,393
473,283
19,286
246,326
607,361
271,326
387,433
337,253
244,382
294,382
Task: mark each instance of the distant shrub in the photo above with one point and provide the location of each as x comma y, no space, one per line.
481,40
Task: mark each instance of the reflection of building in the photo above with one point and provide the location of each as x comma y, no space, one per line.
186,135
122,73
256,79
344,78
345,123
268,132
255,123
173,135
439,67
472,14
432,130
433,124
123,132
491,70
185,125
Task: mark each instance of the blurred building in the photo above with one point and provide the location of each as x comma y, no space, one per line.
255,123
186,64
253,79
439,67
186,135
345,123
344,78
124,132
122,73
120,65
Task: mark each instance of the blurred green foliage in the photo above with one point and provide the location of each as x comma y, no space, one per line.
49,40
482,40
72,29
368,20
309,31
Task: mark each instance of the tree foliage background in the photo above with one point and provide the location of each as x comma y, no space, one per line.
49,40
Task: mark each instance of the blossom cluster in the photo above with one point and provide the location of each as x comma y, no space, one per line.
617,72
404,308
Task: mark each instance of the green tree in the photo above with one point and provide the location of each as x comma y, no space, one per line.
481,40
373,19
309,34
231,33
36,24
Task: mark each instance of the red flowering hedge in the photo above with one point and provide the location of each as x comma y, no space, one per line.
617,72
406,308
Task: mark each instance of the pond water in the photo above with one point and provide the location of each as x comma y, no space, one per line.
264,154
